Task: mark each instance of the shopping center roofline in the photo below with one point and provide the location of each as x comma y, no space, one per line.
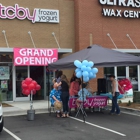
128,50
8,50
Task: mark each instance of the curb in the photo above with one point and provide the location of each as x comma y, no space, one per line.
23,112
128,110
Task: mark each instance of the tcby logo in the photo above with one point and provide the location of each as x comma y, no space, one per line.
21,13
11,12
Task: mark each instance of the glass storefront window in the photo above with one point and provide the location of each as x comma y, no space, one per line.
21,74
121,72
108,71
133,76
37,74
6,88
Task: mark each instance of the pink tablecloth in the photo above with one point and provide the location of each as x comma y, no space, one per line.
95,101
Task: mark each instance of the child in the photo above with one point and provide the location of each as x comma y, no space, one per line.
82,95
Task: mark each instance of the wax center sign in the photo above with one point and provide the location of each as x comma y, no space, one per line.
38,15
34,57
119,13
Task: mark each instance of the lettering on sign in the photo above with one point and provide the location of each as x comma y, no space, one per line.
90,102
119,13
34,57
38,15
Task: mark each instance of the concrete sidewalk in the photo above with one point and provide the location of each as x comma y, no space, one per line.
20,108
40,106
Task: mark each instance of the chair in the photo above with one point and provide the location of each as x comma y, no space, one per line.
51,109
81,109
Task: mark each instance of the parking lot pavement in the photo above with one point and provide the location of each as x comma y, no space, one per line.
5,136
52,128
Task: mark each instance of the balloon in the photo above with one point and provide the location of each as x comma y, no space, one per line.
38,87
94,76
24,86
88,69
85,74
90,64
77,63
85,62
79,74
86,79
83,68
28,81
95,70
77,70
23,82
27,92
90,75
32,86
34,82
23,91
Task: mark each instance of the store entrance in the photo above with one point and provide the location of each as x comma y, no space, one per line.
37,74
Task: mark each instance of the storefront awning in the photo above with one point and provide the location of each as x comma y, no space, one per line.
10,50
128,50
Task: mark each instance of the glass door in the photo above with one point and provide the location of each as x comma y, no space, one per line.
21,73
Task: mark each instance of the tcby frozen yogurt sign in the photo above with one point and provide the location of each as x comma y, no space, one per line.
21,13
34,57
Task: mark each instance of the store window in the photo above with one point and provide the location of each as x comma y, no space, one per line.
37,74
121,72
108,71
133,76
21,74
6,71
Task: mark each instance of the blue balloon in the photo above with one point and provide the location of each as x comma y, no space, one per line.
91,75
77,63
88,69
90,64
86,79
83,68
85,62
94,76
95,70
77,70
79,74
85,74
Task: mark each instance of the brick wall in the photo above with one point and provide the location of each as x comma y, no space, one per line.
17,30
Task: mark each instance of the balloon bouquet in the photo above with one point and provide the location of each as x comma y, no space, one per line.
29,87
84,70
125,84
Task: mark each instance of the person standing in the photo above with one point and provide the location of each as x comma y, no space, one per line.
74,87
65,95
115,94
58,78
74,77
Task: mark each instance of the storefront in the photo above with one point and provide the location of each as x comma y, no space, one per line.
35,25
69,25
111,24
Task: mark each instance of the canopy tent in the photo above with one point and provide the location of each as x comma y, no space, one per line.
102,57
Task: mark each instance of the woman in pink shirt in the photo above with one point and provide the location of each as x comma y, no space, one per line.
74,87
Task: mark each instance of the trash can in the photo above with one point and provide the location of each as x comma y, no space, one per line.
30,115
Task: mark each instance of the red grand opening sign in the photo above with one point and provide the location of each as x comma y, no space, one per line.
34,57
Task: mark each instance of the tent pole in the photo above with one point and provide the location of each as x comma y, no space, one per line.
83,101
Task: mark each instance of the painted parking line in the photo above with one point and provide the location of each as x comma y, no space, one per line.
133,114
10,133
110,130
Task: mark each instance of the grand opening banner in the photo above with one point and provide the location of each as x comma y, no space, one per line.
34,57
